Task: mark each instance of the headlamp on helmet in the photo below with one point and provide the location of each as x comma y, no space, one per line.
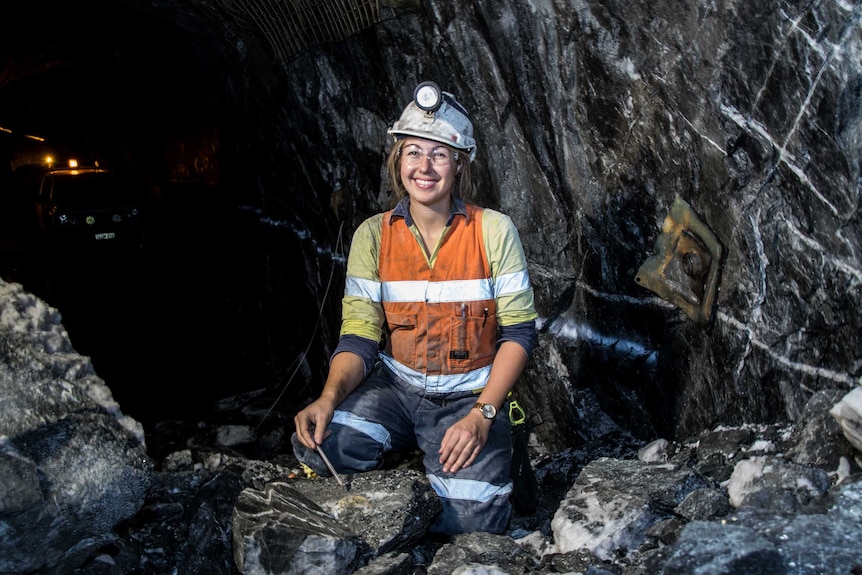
428,96
436,115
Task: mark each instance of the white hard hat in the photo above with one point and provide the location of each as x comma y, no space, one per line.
436,115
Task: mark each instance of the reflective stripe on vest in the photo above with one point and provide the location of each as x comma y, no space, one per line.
469,381
441,321
406,291
438,292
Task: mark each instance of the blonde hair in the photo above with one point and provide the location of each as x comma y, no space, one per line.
462,188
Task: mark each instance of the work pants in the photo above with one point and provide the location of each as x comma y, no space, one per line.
385,414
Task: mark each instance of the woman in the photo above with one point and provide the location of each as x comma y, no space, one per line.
438,324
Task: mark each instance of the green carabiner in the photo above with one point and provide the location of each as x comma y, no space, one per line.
516,413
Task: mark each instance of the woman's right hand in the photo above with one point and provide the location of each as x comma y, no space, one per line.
312,421
346,372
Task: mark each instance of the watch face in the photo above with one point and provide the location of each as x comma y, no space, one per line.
489,411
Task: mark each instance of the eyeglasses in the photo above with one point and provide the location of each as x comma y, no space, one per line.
439,156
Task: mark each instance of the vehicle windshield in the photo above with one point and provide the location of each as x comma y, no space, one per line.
90,191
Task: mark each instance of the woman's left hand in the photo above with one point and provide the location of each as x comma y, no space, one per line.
463,442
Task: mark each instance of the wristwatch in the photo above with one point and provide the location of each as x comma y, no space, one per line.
488,410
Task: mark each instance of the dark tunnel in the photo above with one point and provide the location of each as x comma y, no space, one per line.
179,308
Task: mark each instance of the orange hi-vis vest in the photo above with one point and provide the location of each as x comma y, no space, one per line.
441,320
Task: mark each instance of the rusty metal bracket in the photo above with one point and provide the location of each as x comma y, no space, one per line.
686,265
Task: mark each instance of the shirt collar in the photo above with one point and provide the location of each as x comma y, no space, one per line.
402,210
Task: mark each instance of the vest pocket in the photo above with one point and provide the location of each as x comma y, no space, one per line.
472,338
468,341
459,344
483,336
402,336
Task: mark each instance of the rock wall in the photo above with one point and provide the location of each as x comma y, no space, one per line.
592,118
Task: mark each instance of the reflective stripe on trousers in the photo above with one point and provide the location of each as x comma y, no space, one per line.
384,414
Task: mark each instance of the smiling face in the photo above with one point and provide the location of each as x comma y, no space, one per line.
428,170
